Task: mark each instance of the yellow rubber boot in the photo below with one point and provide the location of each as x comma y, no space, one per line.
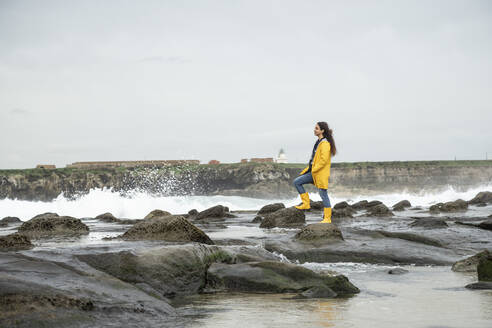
327,215
306,204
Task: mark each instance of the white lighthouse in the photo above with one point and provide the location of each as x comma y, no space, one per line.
281,157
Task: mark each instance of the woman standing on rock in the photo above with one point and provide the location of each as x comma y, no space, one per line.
318,170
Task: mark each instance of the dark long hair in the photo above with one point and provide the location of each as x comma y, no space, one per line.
328,134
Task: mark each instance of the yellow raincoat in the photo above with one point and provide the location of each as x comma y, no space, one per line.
321,165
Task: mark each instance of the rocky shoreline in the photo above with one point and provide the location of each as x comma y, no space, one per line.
258,180
51,274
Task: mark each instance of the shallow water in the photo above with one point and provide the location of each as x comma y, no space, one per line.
424,297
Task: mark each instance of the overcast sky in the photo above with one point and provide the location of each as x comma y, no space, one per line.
225,80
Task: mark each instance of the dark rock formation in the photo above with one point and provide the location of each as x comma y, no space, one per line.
168,228
214,212
257,219
270,208
9,219
273,277
50,224
454,206
378,210
482,197
341,205
470,263
397,271
484,268
289,217
346,212
109,218
360,205
410,237
319,233
401,205
487,225
14,242
317,206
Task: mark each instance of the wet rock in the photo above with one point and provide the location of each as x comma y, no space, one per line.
360,205
484,268
487,225
401,205
317,206
257,219
429,223
50,224
410,237
168,228
214,212
373,203
317,292
9,219
346,212
192,212
272,277
482,197
341,205
109,218
470,263
454,206
490,216
156,214
319,233
289,217
171,270
480,204
270,208
379,210
397,271
480,285
14,242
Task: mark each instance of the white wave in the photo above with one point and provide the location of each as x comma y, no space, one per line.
138,204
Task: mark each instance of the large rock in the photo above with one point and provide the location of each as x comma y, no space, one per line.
289,217
360,205
341,205
15,242
9,219
214,212
346,212
482,197
454,206
470,263
401,205
484,268
380,210
319,233
156,214
273,277
171,270
168,228
50,224
270,208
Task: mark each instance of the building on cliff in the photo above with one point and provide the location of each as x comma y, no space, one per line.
45,166
103,164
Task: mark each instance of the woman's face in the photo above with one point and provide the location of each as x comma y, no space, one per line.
317,130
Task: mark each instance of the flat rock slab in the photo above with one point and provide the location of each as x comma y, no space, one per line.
319,233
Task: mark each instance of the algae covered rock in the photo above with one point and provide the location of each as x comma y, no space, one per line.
270,208
285,218
50,224
168,228
319,233
15,242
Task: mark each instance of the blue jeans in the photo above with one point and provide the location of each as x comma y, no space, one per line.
308,178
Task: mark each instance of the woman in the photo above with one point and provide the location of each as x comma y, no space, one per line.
318,170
